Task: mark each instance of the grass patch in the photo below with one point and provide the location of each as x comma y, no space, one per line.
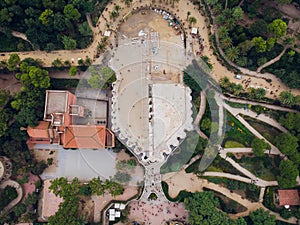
267,131
261,167
236,131
233,144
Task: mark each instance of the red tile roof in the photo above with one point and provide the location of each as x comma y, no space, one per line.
289,197
40,131
78,136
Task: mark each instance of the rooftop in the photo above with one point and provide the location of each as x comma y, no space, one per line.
40,131
289,197
77,136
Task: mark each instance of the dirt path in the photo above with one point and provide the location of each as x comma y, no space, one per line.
192,183
19,190
180,10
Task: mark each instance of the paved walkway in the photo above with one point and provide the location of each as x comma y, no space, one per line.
194,183
270,106
262,117
19,190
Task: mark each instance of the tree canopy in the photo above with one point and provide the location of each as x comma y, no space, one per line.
262,217
288,174
259,146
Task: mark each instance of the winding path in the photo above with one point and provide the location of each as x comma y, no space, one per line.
194,183
200,115
19,190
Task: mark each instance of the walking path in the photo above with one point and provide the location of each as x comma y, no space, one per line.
200,115
270,106
262,117
194,183
19,190
180,10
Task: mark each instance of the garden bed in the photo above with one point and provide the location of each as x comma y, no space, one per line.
264,167
267,131
236,131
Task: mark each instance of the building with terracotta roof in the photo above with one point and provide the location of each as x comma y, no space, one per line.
71,125
289,197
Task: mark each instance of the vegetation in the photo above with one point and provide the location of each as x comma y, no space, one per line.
7,195
48,25
288,174
264,167
71,191
235,131
259,146
251,191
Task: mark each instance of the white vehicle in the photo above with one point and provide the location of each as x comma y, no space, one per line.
238,76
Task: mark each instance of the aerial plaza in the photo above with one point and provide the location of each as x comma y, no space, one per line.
152,108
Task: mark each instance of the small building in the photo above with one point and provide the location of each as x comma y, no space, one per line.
64,123
194,31
289,198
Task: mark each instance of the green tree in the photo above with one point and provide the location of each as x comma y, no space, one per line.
223,32
69,43
57,63
192,20
95,81
287,98
257,93
108,75
245,46
71,12
97,186
202,209
232,53
259,146
73,70
122,177
237,13
205,124
288,174
35,77
270,43
260,44
46,16
278,28
287,143
226,42
85,29
13,62
260,216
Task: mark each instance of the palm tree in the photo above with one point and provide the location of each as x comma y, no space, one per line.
225,82
192,20
287,98
232,53
223,32
226,42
